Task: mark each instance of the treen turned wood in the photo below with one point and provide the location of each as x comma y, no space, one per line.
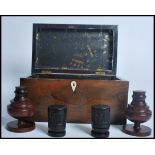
22,109
57,120
100,120
138,112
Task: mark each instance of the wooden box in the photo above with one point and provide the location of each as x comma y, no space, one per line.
75,65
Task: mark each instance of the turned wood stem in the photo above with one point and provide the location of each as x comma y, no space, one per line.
136,126
21,123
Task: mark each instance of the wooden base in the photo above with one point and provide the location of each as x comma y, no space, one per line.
100,135
26,127
57,134
142,132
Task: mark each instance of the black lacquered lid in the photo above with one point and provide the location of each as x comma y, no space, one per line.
76,49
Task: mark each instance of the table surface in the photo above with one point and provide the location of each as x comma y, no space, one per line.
73,130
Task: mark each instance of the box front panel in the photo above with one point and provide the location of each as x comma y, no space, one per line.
87,93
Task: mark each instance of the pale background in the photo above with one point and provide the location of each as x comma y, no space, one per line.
134,61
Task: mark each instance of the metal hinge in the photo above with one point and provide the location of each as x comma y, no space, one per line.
64,68
46,71
100,73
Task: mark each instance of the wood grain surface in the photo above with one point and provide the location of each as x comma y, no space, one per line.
44,92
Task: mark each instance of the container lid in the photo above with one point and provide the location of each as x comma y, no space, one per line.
56,107
74,49
102,107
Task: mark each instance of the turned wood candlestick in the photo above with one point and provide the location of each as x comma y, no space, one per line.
21,108
138,112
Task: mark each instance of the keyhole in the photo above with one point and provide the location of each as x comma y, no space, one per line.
73,85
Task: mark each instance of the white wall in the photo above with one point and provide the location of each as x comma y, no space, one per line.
135,51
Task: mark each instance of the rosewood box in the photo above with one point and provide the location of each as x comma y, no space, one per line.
75,65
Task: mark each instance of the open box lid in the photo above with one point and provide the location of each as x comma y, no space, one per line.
74,49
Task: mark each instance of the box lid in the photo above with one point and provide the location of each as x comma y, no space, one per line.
74,49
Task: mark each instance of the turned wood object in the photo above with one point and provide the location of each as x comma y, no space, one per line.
100,121
22,109
57,120
138,112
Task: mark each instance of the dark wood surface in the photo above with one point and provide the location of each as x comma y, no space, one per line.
41,52
44,92
100,120
144,130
